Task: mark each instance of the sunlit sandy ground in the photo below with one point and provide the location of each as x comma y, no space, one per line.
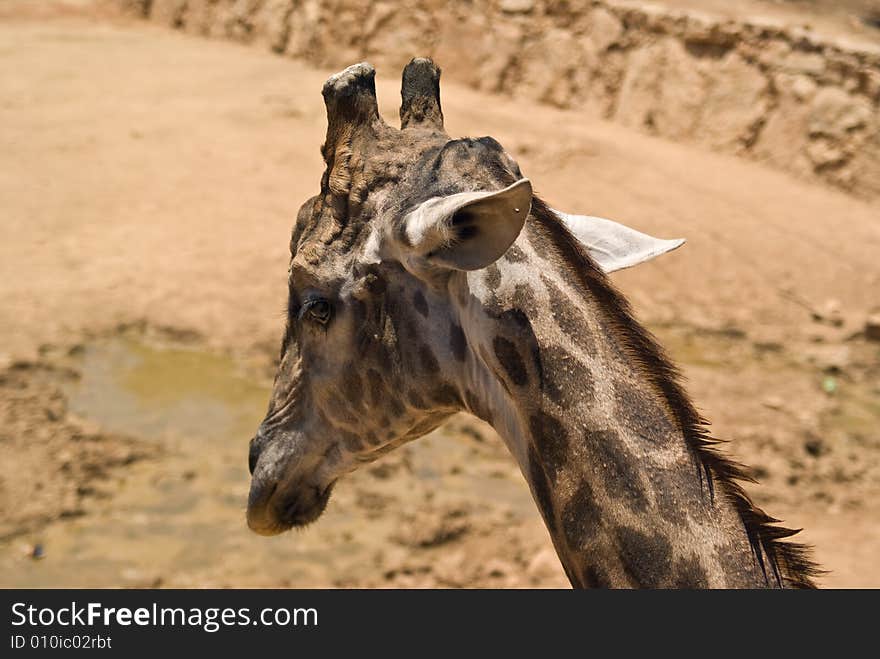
149,180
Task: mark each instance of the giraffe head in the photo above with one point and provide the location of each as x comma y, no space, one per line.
376,349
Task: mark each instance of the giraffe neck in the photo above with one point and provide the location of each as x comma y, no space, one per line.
626,502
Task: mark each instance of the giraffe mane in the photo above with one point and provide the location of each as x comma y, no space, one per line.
788,563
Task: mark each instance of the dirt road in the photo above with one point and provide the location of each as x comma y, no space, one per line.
149,180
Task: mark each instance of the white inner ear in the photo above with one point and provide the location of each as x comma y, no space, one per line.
469,230
615,246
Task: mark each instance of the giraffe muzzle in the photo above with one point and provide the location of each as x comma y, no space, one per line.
284,493
274,509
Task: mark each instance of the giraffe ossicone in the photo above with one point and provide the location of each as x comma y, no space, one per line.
426,279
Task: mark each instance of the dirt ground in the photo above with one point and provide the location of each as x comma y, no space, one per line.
148,182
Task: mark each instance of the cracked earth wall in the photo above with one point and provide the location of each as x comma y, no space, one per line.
782,95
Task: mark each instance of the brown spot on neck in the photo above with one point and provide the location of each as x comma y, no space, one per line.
428,360
421,304
510,359
457,341
493,277
564,378
550,439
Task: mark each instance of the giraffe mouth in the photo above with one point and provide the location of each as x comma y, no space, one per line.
299,511
278,510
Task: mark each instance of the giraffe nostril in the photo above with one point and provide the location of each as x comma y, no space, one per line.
253,456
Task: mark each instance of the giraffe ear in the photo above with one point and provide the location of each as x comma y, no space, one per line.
468,230
615,246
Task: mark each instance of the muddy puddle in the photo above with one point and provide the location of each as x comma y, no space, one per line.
162,392
450,509
179,519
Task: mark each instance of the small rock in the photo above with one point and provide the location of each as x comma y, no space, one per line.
496,567
823,152
815,447
543,563
831,359
773,403
829,386
835,113
517,6
431,528
605,28
801,62
768,346
383,470
131,574
450,568
829,313
803,88
38,552
872,327
56,408
371,501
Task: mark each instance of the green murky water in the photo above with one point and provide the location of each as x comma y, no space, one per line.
134,388
179,519
169,513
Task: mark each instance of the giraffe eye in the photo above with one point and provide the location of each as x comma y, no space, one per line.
319,310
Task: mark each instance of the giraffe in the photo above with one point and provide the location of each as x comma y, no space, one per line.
426,278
